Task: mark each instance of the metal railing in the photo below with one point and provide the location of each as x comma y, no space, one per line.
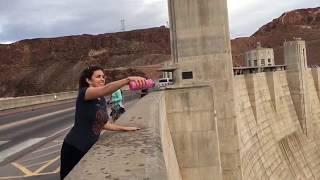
257,69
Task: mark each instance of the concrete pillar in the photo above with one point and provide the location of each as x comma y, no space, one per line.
316,78
201,50
296,61
200,40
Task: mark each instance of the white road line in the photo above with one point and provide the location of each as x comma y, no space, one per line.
58,141
65,129
3,142
46,148
33,158
54,134
29,120
35,164
17,148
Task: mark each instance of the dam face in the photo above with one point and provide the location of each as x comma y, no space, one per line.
254,126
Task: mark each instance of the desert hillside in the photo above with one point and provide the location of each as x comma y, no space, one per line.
48,65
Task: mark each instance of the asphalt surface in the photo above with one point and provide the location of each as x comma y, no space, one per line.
32,125
10,116
35,123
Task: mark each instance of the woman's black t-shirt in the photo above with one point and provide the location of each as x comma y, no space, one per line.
90,117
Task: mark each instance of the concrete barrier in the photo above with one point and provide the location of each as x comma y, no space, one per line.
15,102
145,154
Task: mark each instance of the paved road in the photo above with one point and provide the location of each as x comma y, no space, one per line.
22,130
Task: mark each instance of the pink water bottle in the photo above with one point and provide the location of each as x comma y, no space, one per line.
134,86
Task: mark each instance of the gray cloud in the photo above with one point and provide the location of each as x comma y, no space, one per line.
21,19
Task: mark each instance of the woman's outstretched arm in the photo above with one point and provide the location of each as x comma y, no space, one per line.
96,92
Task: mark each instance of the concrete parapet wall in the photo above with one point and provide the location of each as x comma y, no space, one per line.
194,132
8,103
144,154
169,152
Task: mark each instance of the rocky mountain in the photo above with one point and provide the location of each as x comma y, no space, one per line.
48,65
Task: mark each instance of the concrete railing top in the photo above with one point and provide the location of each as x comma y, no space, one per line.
15,102
39,95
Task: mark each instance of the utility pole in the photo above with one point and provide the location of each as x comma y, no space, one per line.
123,27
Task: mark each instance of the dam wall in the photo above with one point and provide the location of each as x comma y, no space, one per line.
272,142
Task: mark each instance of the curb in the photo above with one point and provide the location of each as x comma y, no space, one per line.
15,156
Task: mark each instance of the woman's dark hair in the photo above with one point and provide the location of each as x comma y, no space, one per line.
87,74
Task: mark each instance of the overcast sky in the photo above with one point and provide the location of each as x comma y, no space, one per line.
26,19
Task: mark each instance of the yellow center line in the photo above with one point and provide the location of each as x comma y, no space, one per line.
12,177
46,165
26,171
36,164
35,175
57,170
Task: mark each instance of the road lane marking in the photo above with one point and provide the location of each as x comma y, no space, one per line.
19,177
46,148
57,170
46,165
26,171
3,142
26,160
30,120
58,141
35,164
17,148
58,132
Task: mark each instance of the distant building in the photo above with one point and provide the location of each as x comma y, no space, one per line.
259,57
167,69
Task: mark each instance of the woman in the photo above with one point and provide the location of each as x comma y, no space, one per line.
91,116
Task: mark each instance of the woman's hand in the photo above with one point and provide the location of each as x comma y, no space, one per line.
139,80
116,127
131,128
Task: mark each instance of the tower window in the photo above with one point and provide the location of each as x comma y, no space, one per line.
187,75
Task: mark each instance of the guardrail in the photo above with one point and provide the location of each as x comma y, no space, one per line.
257,69
15,102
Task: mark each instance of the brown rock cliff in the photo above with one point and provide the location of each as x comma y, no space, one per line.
48,65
